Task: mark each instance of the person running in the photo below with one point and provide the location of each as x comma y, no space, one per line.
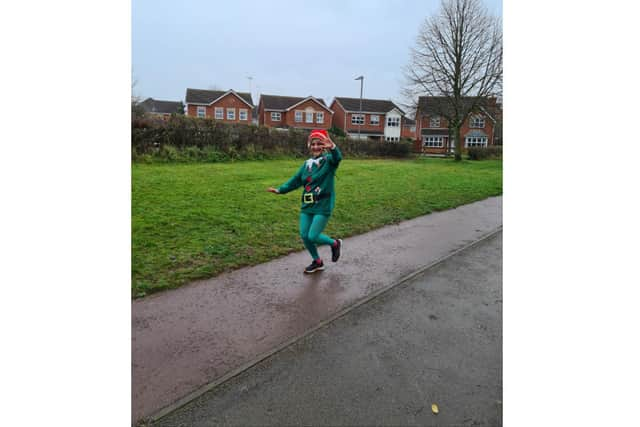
318,196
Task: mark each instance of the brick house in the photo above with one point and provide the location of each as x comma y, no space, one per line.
408,128
293,112
378,119
228,107
163,109
432,128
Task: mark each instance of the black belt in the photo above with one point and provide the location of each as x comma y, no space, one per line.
312,197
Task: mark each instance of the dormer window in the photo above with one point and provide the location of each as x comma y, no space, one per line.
477,122
434,122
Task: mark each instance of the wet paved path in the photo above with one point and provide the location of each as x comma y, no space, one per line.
193,336
434,339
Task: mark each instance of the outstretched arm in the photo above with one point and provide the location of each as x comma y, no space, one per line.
335,155
294,182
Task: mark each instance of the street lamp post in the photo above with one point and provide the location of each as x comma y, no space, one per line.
361,78
250,78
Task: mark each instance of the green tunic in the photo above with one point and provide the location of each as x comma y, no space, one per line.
317,176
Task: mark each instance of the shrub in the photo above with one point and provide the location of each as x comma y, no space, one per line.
482,153
169,153
183,138
336,131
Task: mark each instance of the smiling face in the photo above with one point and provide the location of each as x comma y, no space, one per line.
316,146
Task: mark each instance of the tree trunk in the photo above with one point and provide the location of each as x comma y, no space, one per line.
457,142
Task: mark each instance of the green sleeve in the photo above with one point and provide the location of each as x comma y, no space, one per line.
334,156
294,182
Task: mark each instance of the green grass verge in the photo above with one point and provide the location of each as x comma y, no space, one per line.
192,221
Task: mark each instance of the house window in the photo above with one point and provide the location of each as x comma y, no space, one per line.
231,113
475,141
357,119
298,116
243,114
374,119
320,117
433,142
219,113
477,122
309,117
392,139
276,117
393,121
201,111
434,122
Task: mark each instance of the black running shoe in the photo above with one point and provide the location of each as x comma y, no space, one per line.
335,250
314,266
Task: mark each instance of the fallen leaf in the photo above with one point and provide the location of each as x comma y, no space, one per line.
434,408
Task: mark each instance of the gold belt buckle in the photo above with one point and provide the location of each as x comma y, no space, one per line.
307,198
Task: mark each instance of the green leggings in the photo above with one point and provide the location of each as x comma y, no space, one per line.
311,227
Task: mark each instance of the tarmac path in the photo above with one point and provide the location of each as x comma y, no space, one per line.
186,340
434,339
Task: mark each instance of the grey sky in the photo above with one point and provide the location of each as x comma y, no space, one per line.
290,48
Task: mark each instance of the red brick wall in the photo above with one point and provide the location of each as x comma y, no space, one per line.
265,117
424,122
488,129
338,115
367,126
261,113
405,131
229,101
339,120
289,118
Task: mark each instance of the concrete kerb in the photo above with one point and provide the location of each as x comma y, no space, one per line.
202,390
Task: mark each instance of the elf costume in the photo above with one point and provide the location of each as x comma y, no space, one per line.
318,200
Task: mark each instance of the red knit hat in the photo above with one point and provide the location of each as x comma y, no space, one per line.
318,133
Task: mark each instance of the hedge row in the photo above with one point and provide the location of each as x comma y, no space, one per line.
190,139
482,153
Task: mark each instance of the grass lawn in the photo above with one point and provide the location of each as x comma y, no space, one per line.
192,221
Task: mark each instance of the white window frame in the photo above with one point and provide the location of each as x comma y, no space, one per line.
219,110
320,117
201,110
433,141
308,116
375,122
477,122
357,119
298,116
393,121
275,116
475,141
243,114
231,116
434,122
392,139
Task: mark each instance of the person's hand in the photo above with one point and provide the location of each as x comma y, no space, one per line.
273,190
328,143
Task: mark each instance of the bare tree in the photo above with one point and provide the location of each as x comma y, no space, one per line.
136,108
457,56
